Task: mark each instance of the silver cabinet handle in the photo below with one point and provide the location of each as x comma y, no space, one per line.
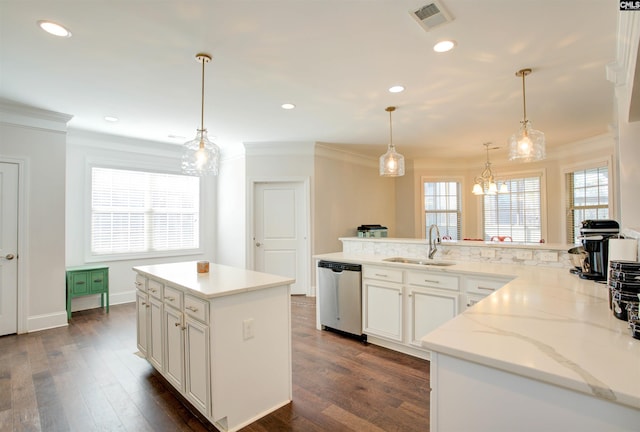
9,257
258,244
192,308
486,289
170,298
432,281
381,275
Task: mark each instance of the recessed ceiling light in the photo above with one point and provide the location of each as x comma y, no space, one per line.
396,89
174,136
54,28
288,106
444,46
111,119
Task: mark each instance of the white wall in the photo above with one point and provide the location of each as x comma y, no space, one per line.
624,73
84,148
232,215
37,139
348,192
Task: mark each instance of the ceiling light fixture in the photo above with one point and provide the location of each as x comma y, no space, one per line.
486,183
111,119
396,89
201,156
392,162
54,28
444,46
526,145
287,106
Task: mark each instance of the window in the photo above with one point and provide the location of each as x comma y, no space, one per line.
516,214
442,207
588,198
139,213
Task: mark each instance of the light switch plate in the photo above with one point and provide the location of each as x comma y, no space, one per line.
247,328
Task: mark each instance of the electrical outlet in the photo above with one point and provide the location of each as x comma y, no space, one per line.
549,256
247,328
524,254
488,253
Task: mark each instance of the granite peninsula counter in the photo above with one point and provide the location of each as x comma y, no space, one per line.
544,352
222,338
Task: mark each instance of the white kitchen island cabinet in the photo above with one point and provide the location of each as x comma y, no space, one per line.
223,340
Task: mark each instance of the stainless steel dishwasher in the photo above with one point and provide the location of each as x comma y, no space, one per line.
340,292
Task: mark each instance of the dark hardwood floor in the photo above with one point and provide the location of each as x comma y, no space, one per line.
86,377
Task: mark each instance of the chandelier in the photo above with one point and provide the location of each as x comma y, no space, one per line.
200,156
392,162
485,183
526,145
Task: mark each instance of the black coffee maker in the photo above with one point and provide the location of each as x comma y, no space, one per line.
595,235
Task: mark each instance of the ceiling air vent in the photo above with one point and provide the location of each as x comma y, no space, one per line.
431,15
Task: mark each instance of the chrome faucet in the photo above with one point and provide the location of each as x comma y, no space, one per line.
432,243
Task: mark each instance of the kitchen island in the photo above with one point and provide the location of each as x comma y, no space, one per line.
222,339
543,352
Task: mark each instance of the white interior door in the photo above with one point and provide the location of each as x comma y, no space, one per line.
280,232
8,248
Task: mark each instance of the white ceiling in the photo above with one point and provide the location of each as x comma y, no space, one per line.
334,59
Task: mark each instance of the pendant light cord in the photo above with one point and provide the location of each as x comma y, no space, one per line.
524,98
390,131
202,99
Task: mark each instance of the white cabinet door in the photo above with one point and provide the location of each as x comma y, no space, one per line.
174,347
197,381
429,309
155,351
142,304
383,309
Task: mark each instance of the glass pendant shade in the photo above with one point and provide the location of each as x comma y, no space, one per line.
477,189
527,145
391,163
200,157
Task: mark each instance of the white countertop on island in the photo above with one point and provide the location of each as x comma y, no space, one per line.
546,324
221,280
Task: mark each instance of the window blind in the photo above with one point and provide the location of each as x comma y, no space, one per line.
442,206
516,214
135,212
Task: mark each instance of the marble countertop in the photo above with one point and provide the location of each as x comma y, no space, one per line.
221,280
546,324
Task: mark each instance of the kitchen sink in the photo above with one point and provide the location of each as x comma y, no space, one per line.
424,262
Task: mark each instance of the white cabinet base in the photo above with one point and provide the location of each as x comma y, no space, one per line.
493,400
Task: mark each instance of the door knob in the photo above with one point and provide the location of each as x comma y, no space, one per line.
258,244
9,257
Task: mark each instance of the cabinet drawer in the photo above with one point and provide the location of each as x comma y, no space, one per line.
99,280
141,283
80,283
483,286
382,273
172,297
433,280
154,288
196,308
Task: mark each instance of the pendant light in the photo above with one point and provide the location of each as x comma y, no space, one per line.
201,156
392,162
526,145
486,181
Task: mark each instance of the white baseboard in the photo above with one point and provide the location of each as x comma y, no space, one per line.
93,301
48,321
